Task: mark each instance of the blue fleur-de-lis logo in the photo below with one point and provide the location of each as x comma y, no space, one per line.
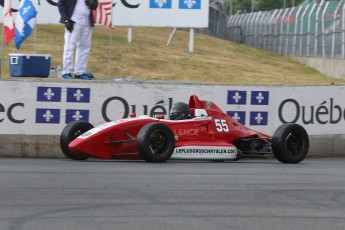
78,95
237,97
48,115
260,97
190,4
161,4
239,116
49,94
77,116
236,116
258,118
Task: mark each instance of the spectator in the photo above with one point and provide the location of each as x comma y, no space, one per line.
78,19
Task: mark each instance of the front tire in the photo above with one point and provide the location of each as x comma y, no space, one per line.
71,132
155,142
290,143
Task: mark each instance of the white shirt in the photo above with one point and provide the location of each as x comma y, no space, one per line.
81,13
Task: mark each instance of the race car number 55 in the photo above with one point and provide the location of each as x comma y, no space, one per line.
221,125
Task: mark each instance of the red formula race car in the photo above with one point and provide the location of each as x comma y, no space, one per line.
198,131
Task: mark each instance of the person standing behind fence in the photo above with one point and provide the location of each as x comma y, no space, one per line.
78,19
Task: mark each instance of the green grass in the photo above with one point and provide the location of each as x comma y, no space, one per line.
149,58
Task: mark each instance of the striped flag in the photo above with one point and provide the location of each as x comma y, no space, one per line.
103,13
8,21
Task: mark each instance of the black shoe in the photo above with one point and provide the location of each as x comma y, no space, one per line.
84,76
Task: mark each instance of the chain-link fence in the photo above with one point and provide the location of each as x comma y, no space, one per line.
310,30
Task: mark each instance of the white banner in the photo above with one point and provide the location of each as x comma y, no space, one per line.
151,13
44,108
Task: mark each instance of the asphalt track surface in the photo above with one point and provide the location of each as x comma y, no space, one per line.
46,194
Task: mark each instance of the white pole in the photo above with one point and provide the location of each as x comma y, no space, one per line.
171,36
110,42
191,40
35,36
129,34
2,47
110,56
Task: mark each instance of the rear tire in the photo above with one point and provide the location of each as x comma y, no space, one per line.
71,132
155,142
290,143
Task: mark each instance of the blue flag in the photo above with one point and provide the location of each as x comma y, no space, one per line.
25,22
236,97
258,118
260,97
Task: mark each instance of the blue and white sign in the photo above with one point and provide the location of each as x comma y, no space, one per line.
162,13
249,107
77,115
258,118
260,97
190,4
48,116
236,97
78,95
239,116
149,13
160,4
52,94
71,95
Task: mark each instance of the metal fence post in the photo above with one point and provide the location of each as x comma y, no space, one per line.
302,30
282,21
323,30
334,29
251,28
275,35
295,31
255,26
288,31
317,28
309,28
267,30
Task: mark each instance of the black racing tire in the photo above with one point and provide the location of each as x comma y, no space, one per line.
290,143
71,131
155,142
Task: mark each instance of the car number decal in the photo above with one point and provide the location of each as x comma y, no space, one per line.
221,125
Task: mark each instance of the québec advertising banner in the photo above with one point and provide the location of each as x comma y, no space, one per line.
45,107
155,13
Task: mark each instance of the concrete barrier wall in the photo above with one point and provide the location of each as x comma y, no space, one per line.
330,67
